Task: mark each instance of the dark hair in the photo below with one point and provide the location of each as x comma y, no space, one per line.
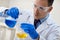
50,2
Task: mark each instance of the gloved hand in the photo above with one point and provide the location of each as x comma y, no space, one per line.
29,28
13,12
10,22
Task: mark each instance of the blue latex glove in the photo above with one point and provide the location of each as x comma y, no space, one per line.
29,28
13,12
10,23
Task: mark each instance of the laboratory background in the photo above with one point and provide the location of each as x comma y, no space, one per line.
28,5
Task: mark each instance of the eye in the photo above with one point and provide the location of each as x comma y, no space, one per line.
41,8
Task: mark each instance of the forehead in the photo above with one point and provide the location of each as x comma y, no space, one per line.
41,2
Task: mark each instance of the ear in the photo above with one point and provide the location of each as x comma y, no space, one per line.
50,9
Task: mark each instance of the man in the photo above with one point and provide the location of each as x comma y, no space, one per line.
45,29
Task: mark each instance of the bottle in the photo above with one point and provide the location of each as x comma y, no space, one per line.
20,34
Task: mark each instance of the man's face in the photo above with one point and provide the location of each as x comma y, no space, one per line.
41,9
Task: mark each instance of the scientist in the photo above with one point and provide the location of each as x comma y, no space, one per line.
44,27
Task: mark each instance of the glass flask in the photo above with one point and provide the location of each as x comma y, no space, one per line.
6,33
20,34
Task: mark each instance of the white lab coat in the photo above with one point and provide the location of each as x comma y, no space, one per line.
48,30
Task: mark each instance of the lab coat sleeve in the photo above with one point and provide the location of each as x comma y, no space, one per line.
53,35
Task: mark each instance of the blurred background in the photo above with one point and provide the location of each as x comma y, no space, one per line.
28,4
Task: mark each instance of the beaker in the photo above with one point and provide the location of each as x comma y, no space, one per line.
20,34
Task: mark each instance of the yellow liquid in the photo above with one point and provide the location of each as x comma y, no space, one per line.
21,35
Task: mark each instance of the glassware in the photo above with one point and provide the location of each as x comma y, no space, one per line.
6,33
20,34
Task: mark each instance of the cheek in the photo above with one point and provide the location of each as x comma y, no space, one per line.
41,13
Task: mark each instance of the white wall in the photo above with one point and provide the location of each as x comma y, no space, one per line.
4,3
56,11
24,4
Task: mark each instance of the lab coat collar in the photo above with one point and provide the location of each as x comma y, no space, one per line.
50,21
45,24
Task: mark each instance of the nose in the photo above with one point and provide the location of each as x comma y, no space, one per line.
36,10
